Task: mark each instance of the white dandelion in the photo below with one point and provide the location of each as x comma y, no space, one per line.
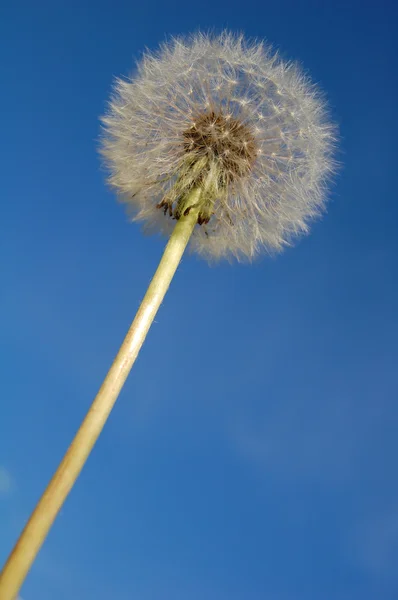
231,143
232,119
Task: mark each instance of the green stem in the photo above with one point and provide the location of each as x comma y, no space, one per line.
39,524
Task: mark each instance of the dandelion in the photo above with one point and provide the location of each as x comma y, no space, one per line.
222,145
232,119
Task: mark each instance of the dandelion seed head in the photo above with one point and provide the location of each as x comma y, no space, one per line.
232,118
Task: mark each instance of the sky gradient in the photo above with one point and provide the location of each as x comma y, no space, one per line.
252,453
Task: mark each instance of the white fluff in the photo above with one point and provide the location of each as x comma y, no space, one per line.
144,142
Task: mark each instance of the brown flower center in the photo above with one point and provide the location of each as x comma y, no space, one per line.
225,139
213,139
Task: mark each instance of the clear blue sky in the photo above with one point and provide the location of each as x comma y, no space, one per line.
253,452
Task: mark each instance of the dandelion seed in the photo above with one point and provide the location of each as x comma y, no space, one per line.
168,137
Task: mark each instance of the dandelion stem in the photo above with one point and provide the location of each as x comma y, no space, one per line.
35,531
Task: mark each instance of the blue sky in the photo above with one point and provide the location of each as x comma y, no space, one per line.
252,453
